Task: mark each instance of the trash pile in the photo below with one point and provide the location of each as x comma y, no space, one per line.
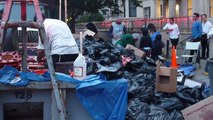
143,102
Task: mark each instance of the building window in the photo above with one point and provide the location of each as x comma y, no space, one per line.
211,8
132,9
158,8
147,12
161,10
189,10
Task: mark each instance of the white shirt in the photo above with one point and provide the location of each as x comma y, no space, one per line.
117,32
206,27
60,38
175,30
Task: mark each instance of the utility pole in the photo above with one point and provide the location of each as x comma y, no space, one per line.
65,6
65,10
59,9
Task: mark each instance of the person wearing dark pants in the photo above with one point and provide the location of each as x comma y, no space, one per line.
63,58
174,42
196,34
206,26
205,46
173,31
157,48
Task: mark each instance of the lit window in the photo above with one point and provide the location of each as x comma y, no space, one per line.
211,8
189,8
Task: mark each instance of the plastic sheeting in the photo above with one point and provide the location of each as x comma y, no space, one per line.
189,70
104,100
11,76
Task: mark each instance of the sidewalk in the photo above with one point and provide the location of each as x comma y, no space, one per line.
199,75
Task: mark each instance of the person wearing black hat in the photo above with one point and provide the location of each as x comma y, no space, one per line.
92,27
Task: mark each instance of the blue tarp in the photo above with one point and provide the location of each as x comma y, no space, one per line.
104,100
189,70
11,76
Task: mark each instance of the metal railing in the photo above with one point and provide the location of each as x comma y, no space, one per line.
135,24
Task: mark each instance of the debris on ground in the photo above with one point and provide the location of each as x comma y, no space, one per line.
143,102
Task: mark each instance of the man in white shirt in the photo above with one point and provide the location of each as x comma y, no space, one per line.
206,26
63,46
173,31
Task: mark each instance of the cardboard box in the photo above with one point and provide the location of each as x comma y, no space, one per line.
137,51
159,63
166,79
200,111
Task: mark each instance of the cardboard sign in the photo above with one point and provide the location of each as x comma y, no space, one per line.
200,111
192,83
137,51
88,32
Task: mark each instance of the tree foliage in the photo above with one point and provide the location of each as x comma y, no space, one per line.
78,7
90,17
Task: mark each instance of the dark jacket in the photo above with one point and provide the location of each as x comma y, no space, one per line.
145,40
158,44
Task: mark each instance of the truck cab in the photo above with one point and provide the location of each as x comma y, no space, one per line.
12,42
12,35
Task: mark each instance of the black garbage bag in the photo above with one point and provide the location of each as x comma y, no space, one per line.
131,68
142,116
112,68
111,72
104,52
138,62
134,87
146,94
150,61
196,93
117,51
128,75
105,61
140,66
184,94
137,109
146,68
175,115
112,75
129,53
185,97
142,87
190,95
170,104
145,79
92,52
113,57
157,113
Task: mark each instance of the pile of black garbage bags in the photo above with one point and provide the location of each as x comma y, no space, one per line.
144,103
